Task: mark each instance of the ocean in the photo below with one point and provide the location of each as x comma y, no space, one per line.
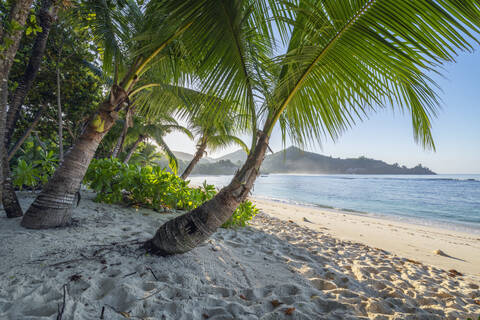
449,201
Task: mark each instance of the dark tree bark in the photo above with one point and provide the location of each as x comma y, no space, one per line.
128,123
27,133
187,231
9,198
46,18
9,40
133,148
59,111
53,206
198,155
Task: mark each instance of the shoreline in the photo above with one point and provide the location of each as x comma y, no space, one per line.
272,269
454,226
405,239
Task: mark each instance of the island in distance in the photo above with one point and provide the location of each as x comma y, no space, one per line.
295,160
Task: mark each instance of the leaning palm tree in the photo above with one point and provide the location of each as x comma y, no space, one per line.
344,59
144,130
147,156
213,136
142,53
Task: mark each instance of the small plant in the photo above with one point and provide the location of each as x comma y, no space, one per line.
244,213
25,175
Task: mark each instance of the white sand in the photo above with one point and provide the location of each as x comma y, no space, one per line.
235,275
417,242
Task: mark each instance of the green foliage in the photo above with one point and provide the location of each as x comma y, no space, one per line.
244,213
153,187
24,174
35,165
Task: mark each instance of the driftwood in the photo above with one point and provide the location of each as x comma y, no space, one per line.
61,308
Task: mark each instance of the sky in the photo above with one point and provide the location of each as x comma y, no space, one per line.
388,136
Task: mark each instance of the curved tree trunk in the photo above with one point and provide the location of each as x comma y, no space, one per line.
53,206
27,133
187,231
9,198
59,111
133,148
198,155
46,17
9,42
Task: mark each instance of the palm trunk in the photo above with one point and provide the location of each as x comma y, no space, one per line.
9,42
46,17
193,163
133,148
60,117
187,231
26,134
120,141
53,206
9,198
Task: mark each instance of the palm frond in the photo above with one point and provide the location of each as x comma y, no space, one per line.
348,58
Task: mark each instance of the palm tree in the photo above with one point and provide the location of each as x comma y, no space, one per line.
47,15
11,31
142,53
344,59
143,130
147,156
213,137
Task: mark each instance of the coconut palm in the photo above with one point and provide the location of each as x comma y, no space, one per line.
11,31
144,130
139,43
147,156
213,137
344,60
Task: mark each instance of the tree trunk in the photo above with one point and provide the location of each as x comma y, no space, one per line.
187,231
193,163
53,206
133,148
120,141
46,17
9,198
60,116
9,42
27,133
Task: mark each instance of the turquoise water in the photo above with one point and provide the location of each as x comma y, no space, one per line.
451,201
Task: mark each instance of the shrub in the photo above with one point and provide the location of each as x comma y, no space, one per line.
244,213
34,166
153,187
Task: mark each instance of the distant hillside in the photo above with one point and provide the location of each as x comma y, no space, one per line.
234,157
187,157
295,160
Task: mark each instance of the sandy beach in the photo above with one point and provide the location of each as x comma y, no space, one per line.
291,263
417,242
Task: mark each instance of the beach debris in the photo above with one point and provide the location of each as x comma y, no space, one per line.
476,302
205,316
291,221
306,220
276,303
289,311
61,308
454,273
153,273
440,252
125,314
413,261
242,297
75,277
102,313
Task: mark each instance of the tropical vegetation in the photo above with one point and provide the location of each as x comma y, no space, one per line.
312,68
